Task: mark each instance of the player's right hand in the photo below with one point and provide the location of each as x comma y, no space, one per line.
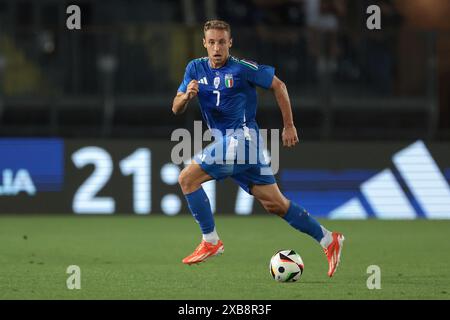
192,89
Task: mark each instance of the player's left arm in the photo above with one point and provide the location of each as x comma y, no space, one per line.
289,135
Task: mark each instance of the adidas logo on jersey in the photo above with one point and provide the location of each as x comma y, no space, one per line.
203,80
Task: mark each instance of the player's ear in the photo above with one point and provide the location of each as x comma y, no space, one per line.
204,42
231,42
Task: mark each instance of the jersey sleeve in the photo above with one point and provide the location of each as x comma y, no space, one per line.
260,75
189,75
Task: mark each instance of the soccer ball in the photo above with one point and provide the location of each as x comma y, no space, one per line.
286,266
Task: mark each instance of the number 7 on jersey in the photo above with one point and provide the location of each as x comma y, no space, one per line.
218,97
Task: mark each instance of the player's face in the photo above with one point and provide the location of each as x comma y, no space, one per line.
218,44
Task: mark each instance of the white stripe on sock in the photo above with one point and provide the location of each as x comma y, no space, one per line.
327,238
211,237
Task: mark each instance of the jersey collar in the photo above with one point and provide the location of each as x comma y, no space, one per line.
225,64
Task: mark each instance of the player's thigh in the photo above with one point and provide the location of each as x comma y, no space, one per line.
271,198
191,177
212,160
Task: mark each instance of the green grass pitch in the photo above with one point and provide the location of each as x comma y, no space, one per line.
135,257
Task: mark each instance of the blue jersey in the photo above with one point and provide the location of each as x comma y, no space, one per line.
227,95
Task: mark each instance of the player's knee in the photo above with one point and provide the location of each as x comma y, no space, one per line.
278,207
184,181
274,207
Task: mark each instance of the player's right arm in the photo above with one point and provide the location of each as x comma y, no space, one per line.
182,99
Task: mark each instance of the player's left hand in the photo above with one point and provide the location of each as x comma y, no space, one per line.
289,136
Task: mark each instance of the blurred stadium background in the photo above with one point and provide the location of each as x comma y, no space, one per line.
85,126
359,97
116,76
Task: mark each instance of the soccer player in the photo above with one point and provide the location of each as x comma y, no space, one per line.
226,89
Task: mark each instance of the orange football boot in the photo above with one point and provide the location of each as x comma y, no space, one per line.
204,251
333,252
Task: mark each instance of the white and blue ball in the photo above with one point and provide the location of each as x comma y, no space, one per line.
286,266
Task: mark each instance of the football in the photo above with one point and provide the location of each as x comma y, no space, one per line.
286,266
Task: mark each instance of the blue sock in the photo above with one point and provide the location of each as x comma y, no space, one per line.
198,203
300,219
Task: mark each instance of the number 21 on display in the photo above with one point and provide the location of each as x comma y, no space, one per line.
136,164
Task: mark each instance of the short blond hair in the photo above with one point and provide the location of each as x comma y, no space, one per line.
218,25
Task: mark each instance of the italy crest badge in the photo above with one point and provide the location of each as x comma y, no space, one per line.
229,80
